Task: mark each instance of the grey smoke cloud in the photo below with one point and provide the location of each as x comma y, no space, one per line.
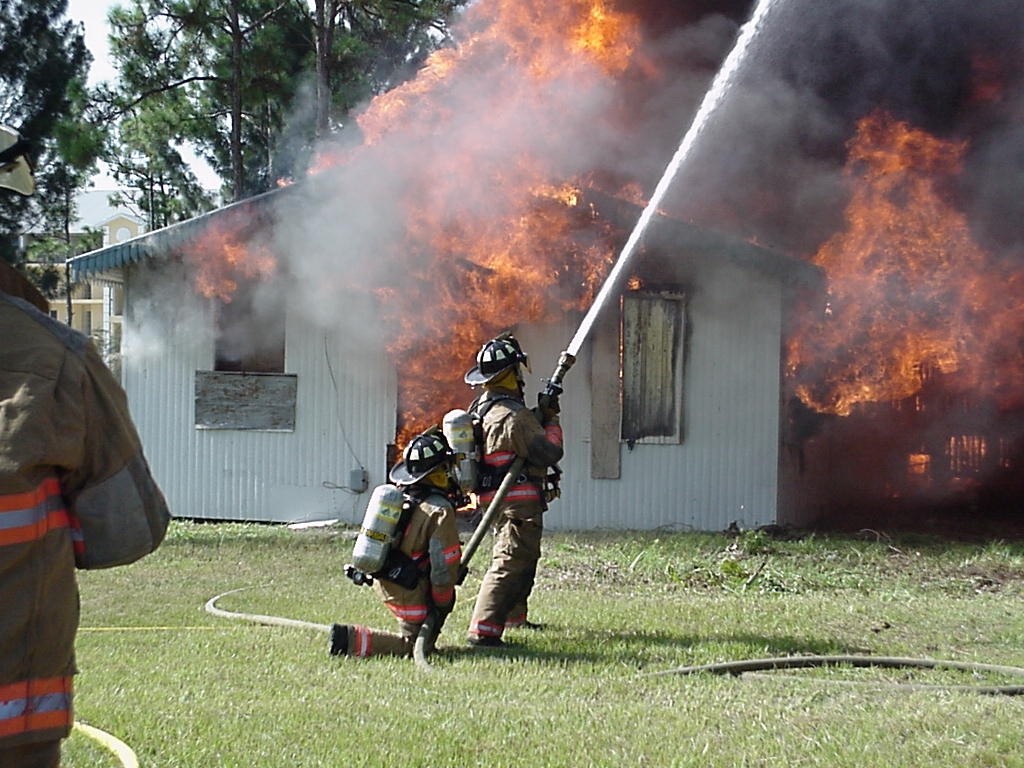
770,166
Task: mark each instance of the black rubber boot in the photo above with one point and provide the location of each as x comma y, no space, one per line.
338,645
482,641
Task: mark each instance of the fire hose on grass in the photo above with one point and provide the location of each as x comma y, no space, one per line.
124,754
735,668
258,618
746,666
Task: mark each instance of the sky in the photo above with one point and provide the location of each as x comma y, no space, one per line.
93,13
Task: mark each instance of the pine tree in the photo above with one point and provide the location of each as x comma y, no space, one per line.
43,68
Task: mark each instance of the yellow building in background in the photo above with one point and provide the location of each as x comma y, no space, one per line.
96,306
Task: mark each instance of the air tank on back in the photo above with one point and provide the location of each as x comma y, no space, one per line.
458,429
377,531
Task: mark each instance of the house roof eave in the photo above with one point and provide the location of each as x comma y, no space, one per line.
668,234
159,242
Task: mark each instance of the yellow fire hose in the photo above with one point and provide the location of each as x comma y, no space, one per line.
122,751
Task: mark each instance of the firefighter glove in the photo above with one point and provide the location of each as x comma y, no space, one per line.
547,405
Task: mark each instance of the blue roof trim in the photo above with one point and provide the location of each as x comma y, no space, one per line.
158,243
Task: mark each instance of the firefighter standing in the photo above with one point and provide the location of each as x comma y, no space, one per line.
74,489
510,429
420,574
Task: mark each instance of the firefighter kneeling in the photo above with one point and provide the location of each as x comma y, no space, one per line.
408,548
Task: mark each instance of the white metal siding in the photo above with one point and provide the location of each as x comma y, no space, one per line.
726,467
341,425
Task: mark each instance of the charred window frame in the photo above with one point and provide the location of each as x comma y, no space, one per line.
250,330
248,388
653,326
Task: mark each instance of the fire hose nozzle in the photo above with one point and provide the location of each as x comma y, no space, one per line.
565,362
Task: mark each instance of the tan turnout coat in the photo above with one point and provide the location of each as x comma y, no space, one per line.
74,486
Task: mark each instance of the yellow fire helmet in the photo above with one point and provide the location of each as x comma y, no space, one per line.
15,169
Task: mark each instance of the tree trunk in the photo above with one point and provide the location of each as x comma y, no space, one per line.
237,49
325,16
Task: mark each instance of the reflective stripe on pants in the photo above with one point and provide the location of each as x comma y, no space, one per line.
35,705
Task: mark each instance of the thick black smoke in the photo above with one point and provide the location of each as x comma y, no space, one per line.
769,167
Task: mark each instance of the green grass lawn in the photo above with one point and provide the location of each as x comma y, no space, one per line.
185,688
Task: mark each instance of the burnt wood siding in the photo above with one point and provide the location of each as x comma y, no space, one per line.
652,333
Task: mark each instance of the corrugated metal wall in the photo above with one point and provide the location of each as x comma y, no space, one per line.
345,414
726,467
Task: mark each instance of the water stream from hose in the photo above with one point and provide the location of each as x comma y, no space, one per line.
712,100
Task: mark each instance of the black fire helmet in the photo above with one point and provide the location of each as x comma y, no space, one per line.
494,358
424,453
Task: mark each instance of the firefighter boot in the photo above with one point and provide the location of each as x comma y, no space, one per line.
484,641
338,644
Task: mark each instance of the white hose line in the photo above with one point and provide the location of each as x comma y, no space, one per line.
423,637
256,618
419,652
121,750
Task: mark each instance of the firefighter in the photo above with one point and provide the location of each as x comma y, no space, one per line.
510,429
15,168
75,489
422,566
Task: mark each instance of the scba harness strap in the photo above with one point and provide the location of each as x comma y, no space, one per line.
491,467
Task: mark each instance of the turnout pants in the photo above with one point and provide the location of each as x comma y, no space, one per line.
40,754
510,577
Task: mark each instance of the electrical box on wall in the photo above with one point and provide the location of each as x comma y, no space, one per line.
358,480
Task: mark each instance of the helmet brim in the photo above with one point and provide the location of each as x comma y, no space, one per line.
18,176
400,474
475,378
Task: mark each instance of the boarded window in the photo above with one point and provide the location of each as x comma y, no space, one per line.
652,367
248,388
259,401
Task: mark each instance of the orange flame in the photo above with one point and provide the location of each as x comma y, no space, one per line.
543,40
910,292
495,233
483,277
223,255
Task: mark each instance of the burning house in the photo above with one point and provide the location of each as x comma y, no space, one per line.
672,414
279,351
918,423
